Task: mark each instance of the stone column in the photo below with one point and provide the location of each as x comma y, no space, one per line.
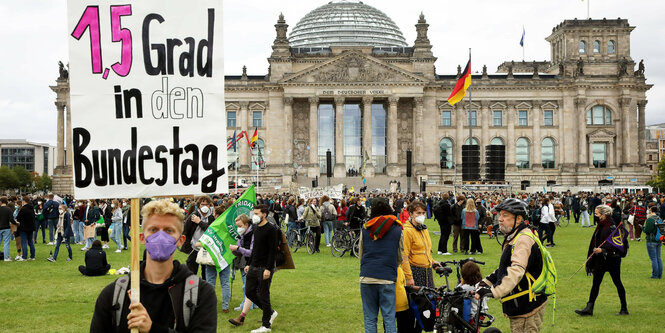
340,166
418,131
511,141
392,168
641,135
625,103
611,156
244,149
70,144
288,132
61,133
580,104
618,140
537,161
314,168
367,135
484,116
590,158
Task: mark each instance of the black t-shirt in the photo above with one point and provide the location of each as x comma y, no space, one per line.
265,246
155,298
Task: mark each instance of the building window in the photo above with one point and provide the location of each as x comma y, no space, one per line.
379,138
596,47
582,47
13,157
45,160
523,118
498,118
549,118
610,47
599,153
473,118
446,153
326,134
522,153
257,119
599,115
497,142
547,149
473,141
231,155
258,153
445,118
353,139
231,119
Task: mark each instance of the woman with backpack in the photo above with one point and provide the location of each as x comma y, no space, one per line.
328,216
604,257
312,218
470,218
584,209
654,244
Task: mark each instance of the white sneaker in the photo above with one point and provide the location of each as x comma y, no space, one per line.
105,246
327,245
439,252
272,317
237,309
8,259
118,251
33,259
261,330
20,259
84,249
50,243
446,254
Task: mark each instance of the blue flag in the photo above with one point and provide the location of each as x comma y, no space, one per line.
522,40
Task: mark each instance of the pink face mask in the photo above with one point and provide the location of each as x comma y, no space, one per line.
160,246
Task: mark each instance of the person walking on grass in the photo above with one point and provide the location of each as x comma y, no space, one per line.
243,250
442,216
50,212
116,219
6,220
26,226
653,244
605,258
63,232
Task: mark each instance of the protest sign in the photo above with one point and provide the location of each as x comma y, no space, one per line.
147,98
223,231
334,192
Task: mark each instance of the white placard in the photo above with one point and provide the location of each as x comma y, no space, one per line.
147,98
333,192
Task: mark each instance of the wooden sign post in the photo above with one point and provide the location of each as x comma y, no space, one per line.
135,265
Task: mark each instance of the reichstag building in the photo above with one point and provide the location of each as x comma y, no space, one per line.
345,80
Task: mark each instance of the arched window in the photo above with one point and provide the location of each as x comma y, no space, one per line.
582,47
547,148
258,154
610,47
599,115
497,142
446,153
522,153
473,141
596,47
232,156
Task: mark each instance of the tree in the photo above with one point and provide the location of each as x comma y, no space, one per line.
659,179
8,179
23,177
43,183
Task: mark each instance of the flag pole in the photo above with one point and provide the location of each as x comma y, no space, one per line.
235,163
601,244
470,105
135,265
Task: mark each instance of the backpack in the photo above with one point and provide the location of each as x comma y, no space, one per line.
189,299
49,208
659,234
535,215
328,215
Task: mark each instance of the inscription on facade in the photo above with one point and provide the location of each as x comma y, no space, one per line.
349,92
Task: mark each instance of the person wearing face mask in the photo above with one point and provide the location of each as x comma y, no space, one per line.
261,266
211,272
417,254
195,225
520,255
165,303
116,219
243,250
63,232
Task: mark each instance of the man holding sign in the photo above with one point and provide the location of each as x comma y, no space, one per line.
172,298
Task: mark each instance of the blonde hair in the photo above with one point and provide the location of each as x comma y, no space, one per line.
470,205
163,207
604,210
243,218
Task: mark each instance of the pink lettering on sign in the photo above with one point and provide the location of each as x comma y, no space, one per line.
90,21
123,35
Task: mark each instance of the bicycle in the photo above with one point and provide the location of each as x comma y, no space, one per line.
296,239
345,239
449,304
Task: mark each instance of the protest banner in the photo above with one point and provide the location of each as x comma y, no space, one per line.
334,192
224,232
147,98
147,101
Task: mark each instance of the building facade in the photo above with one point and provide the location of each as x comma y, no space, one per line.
345,81
34,157
655,140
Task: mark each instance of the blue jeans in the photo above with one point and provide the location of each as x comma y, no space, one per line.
656,261
125,234
78,231
116,235
26,241
375,297
289,227
6,238
52,223
40,225
57,246
327,229
211,276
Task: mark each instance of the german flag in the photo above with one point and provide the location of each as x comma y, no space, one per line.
254,138
462,84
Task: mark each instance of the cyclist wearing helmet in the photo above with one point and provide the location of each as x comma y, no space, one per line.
520,256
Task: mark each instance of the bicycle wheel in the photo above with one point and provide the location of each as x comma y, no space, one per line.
310,242
292,238
337,244
355,250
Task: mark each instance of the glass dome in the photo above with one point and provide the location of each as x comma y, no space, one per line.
345,23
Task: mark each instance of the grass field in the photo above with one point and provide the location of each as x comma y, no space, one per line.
322,293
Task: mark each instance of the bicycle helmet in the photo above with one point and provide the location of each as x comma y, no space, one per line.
515,206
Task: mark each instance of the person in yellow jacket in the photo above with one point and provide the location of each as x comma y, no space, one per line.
404,317
418,261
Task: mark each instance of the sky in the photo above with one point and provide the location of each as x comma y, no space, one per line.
34,37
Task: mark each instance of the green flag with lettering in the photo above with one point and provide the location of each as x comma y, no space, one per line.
223,231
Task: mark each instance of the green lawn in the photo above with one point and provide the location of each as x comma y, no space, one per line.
322,294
